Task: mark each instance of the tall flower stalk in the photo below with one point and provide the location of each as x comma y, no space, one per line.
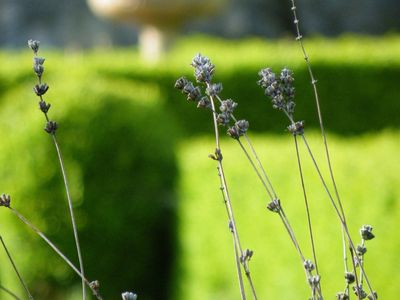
237,129
204,71
51,127
281,92
345,234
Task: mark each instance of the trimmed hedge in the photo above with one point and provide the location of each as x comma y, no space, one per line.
357,81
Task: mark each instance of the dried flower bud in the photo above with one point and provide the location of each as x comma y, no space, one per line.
44,107
199,60
204,102
5,200
204,73
204,69
275,205
51,127
38,69
223,119
286,76
193,93
246,256
40,89
214,89
38,60
314,280
34,45
233,132
296,128
267,77
366,232
350,277
181,82
129,296
242,126
228,106
361,250
308,265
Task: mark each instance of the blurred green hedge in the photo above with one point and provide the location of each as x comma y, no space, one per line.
119,155
357,80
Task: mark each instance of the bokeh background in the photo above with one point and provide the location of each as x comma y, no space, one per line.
146,196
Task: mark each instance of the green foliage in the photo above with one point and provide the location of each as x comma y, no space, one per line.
366,170
118,148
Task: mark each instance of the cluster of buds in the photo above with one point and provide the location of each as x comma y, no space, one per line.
361,249
203,72
203,68
280,90
41,88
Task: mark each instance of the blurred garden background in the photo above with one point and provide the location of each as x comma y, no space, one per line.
147,199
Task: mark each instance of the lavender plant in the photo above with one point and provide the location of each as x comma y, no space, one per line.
204,71
281,91
237,129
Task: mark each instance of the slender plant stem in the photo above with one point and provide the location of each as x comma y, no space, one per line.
344,225
237,256
71,211
239,272
255,169
262,175
306,204
291,233
228,202
322,128
9,292
58,251
15,269
266,177
253,150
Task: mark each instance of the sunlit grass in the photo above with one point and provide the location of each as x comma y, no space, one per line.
366,168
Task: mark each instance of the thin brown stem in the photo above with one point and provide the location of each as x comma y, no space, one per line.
15,269
58,251
71,211
306,204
